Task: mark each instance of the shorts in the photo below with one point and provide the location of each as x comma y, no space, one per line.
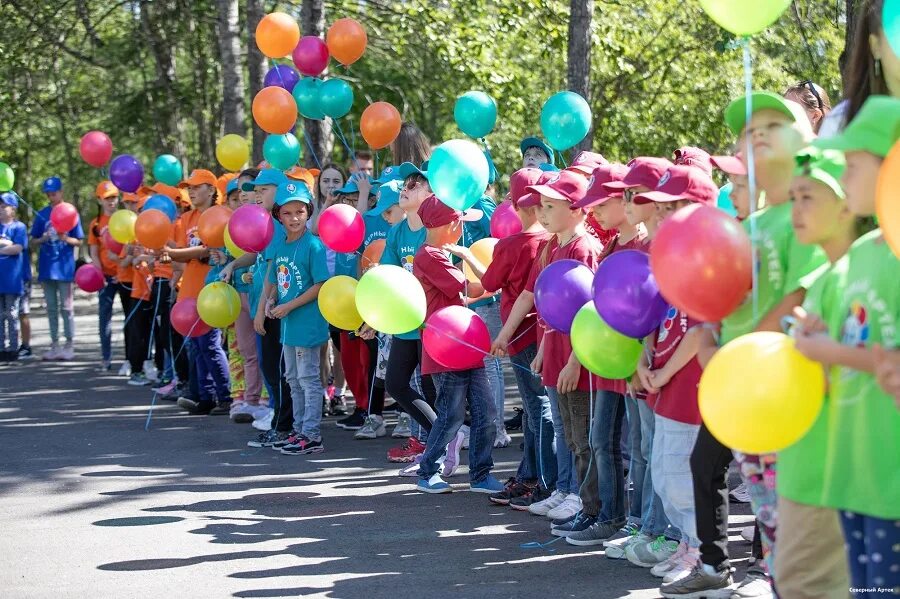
25,300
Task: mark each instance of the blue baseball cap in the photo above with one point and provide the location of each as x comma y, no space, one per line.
534,142
351,187
408,169
232,186
292,191
389,173
51,184
10,198
267,176
390,195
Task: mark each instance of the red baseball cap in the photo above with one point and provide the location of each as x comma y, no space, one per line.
643,171
596,194
691,156
585,162
434,213
682,182
521,179
531,199
730,165
566,185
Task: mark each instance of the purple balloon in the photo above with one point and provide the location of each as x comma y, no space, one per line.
626,294
126,173
560,291
282,76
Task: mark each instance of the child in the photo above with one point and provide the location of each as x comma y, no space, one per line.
137,324
13,239
108,199
444,285
739,193
535,153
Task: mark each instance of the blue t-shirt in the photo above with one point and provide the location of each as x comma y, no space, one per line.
297,266
56,260
11,277
476,231
259,269
376,228
399,250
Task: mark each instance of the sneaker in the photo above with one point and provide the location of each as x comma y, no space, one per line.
543,507
25,353
663,568
164,387
196,408
502,439
740,494
337,406
435,484
578,523
523,502
697,584
451,460
408,452
683,566
105,366
223,408
570,506
264,439
51,354
403,430
285,439
372,429
747,533
488,484
647,555
67,353
262,424
615,545
150,370
304,446
262,418
354,421
514,423
412,469
138,380
125,369
512,488
596,534
755,584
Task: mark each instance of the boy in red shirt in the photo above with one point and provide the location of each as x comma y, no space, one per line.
445,285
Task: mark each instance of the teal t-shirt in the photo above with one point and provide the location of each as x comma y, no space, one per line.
297,266
259,269
376,228
347,264
400,249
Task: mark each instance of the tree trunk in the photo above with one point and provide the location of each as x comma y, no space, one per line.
852,8
256,65
319,137
203,110
232,80
579,56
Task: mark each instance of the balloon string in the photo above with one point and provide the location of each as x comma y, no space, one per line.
174,358
751,172
336,126
476,348
312,151
136,306
562,157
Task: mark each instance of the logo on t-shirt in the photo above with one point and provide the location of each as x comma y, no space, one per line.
284,279
192,238
855,331
408,262
667,324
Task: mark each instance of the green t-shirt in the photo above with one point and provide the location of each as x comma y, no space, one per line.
781,263
862,469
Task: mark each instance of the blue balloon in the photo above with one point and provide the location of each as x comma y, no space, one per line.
458,173
336,98
565,120
281,151
167,169
162,203
724,201
306,95
475,114
282,76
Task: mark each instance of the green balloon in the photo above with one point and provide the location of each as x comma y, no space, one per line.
167,169
744,18
281,151
391,300
600,348
7,177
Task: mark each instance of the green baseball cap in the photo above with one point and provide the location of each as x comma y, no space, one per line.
824,166
874,129
736,111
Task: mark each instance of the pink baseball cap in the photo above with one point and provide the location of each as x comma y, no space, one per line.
566,185
521,179
730,165
642,171
586,162
596,194
531,199
434,213
682,183
691,156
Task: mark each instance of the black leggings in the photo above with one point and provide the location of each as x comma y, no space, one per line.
167,338
139,338
709,467
406,354
376,391
273,371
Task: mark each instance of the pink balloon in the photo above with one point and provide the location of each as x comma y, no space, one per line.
186,320
505,221
341,228
311,55
96,148
456,337
64,217
251,228
110,243
89,278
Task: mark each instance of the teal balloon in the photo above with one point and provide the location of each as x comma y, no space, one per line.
475,114
565,120
724,201
307,96
890,22
281,151
335,98
458,173
167,169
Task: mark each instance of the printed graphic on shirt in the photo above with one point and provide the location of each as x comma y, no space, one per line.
667,324
287,274
855,331
407,260
193,238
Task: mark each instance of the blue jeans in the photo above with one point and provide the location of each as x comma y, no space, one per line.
872,548
265,380
213,381
301,369
673,444
653,517
58,295
606,443
539,459
566,480
490,314
637,463
453,388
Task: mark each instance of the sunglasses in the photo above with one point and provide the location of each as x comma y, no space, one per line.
411,183
812,87
628,195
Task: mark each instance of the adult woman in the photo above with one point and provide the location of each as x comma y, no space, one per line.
411,145
813,99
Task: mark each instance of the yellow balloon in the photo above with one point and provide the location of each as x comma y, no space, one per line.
483,249
337,302
234,250
232,152
218,304
121,225
758,394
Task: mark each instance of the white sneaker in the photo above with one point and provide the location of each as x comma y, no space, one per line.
263,421
683,566
51,354
664,567
67,353
125,370
262,411
740,494
150,371
403,430
568,508
542,507
242,412
372,429
747,533
503,439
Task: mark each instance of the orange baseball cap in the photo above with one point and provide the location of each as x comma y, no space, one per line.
308,176
222,183
199,176
171,192
134,197
106,190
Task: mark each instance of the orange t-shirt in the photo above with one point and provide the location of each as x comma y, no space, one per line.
95,237
124,273
140,285
195,272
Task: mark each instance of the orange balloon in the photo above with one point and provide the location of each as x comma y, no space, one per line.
277,35
153,229
346,40
887,208
372,254
275,110
379,124
211,226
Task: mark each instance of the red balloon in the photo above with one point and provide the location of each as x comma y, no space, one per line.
505,221
89,278
186,320
96,148
702,260
251,228
311,55
341,228
110,243
64,217
456,337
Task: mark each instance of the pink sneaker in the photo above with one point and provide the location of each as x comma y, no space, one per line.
451,461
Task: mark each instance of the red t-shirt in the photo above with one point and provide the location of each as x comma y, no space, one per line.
558,346
514,257
677,400
444,285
